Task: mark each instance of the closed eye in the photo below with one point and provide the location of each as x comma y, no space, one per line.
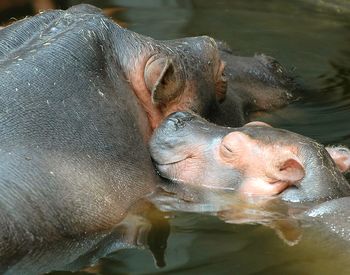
228,149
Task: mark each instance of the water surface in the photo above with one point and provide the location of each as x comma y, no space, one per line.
313,39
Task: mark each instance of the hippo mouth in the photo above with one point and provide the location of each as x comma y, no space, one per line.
177,172
162,168
168,163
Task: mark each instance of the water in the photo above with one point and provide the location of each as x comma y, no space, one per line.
314,38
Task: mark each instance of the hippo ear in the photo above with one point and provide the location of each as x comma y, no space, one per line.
161,81
341,157
221,84
289,170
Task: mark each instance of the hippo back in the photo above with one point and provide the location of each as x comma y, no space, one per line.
73,156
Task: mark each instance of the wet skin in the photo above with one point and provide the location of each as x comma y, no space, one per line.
260,83
144,227
253,174
80,98
255,84
333,216
255,159
77,125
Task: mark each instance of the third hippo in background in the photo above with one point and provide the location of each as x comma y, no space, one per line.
255,159
258,83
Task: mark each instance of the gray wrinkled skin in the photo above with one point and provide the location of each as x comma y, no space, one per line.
73,148
67,122
258,83
182,132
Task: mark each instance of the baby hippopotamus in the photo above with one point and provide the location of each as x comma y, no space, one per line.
255,159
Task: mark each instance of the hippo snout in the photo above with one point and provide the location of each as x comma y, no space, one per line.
255,159
168,143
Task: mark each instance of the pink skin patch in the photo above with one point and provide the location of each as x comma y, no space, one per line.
260,187
161,90
267,169
341,157
157,112
187,168
138,83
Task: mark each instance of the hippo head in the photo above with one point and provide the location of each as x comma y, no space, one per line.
175,75
257,83
255,159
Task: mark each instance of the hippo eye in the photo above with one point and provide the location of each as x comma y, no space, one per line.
226,151
227,148
221,83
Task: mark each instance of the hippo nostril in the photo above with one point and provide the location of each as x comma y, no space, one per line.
178,123
179,119
344,150
270,63
275,66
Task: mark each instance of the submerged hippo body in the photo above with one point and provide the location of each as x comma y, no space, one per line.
255,159
333,215
79,99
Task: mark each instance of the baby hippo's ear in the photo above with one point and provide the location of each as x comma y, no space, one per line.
289,170
162,80
341,157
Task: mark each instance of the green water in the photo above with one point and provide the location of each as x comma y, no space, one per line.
314,38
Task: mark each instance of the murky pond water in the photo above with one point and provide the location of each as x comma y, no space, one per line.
314,38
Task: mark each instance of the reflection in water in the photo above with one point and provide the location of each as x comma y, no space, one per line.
232,208
203,245
144,227
308,35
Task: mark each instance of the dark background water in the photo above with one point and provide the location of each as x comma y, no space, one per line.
313,38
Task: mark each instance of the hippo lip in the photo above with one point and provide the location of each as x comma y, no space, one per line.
163,169
287,191
168,163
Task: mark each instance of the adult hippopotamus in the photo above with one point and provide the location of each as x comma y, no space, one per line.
255,159
80,97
